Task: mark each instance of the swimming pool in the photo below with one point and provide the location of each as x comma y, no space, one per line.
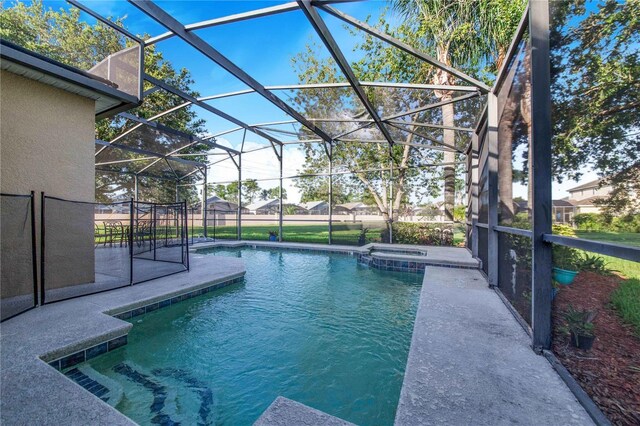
316,328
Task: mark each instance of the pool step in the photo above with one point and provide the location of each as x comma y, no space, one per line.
101,386
168,406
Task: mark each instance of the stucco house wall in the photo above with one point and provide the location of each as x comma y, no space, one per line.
47,144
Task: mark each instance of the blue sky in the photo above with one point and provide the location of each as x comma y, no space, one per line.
263,47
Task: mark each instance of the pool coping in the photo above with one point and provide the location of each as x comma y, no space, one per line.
387,257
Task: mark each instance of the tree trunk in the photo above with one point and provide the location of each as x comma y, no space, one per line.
505,164
449,138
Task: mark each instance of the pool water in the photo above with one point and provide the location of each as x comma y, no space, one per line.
316,328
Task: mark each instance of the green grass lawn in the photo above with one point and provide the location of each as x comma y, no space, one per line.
347,234
625,267
626,299
626,238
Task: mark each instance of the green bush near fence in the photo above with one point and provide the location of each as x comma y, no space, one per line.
420,233
602,223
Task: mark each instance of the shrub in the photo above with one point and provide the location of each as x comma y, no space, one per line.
627,223
602,223
593,263
590,222
564,230
420,234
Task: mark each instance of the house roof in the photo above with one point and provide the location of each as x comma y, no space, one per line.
261,204
588,201
312,204
563,203
351,206
588,185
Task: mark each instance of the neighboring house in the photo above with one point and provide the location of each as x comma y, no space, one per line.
316,207
220,205
563,211
589,190
272,206
357,208
582,199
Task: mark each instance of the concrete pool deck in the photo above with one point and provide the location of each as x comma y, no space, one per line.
469,362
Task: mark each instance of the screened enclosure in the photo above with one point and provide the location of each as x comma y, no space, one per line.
347,156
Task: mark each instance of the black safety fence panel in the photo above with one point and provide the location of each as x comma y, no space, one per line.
483,249
515,271
18,291
84,246
89,248
160,240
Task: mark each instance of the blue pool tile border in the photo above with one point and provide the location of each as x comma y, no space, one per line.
83,355
404,265
174,299
89,353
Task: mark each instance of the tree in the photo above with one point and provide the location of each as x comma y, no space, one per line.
271,193
376,170
367,165
462,34
229,192
63,36
318,190
595,65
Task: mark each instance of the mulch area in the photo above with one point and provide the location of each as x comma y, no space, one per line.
610,371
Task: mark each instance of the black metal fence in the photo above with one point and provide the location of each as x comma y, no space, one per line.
19,289
94,247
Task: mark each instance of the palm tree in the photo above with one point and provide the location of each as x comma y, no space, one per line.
465,34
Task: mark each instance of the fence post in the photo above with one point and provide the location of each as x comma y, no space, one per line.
280,209
541,173
492,163
132,205
42,247
186,224
331,193
390,196
204,203
474,194
239,226
34,259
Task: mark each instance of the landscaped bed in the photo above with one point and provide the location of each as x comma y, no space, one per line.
610,371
